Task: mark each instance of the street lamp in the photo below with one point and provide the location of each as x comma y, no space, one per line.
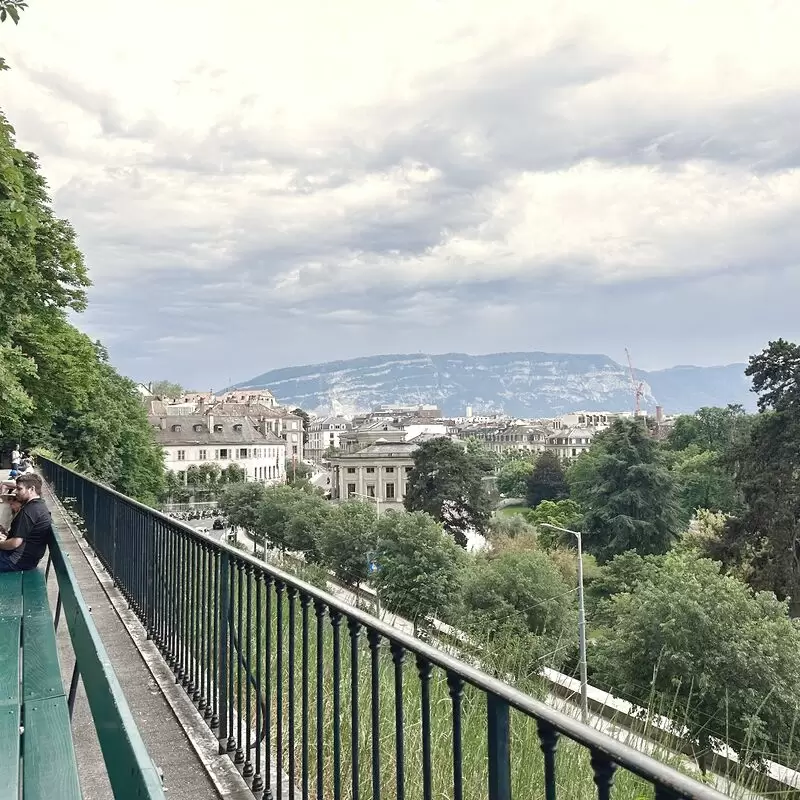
581,619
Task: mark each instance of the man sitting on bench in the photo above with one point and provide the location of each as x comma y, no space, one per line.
24,544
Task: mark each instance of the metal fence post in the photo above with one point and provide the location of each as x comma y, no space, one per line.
499,730
224,611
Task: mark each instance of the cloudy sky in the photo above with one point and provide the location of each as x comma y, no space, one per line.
261,184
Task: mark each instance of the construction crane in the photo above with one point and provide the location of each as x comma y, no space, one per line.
638,386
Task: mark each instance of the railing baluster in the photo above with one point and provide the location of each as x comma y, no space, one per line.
258,781
268,584
216,610
336,619
425,668
238,757
456,686
193,689
319,610
291,593
548,737
604,769
305,601
499,748
375,696
279,588
247,770
398,655
355,629
231,651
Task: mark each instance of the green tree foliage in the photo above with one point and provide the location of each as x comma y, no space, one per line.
764,539
58,389
516,593
419,566
563,513
348,541
446,482
508,526
627,493
485,460
547,481
241,504
305,526
512,477
710,648
164,388
9,9
704,480
298,473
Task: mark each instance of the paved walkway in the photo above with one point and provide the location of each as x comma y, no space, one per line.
184,773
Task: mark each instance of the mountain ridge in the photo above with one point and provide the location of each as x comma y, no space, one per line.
519,383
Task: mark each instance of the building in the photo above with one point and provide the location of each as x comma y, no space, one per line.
379,470
324,434
585,419
282,423
569,444
194,440
504,437
369,433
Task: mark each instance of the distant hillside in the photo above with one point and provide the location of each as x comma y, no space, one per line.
519,384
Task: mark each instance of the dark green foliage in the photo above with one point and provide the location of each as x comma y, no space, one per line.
446,483
513,475
57,389
546,481
709,650
164,388
348,541
763,540
306,422
419,567
627,493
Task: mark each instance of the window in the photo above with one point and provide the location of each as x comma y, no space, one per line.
389,470
242,453
390,491
176,428
351,470
201,455
223,454
181,455
371,490
351,489
370,470
218,429
197,428
408,469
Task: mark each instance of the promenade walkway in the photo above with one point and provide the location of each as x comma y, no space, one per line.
187,775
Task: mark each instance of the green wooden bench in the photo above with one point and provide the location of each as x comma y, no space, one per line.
37,757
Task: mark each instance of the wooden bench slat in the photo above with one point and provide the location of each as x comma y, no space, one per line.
9,660
49,768
11,594
9,750
41,673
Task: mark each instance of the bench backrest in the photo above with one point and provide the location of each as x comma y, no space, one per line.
130,769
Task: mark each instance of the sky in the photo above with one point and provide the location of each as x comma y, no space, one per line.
261,184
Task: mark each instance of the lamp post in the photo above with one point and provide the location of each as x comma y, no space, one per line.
377,502
581,620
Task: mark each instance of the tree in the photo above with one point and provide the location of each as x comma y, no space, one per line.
348,541
764,538
9,9
563,513
705,642
305,525
241,504
298,473
485,460
628,494
306,422
519,596
512,477
164,388
419,567
446,483
704,481
547,481
276,512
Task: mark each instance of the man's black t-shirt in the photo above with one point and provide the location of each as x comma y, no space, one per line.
34,526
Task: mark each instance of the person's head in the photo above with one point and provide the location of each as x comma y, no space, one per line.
29,487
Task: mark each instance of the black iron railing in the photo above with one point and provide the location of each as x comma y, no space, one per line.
312,696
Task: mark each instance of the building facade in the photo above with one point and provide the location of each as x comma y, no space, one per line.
324,434
378,471
569,444
192,441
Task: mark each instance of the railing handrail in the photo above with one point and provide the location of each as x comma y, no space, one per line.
130,769
635,761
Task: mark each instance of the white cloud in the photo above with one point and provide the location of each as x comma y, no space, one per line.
324,156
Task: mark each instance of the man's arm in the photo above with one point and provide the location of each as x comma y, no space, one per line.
11,544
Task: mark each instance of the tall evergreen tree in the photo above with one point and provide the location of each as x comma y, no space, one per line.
547,481
446,483
765,537
628,494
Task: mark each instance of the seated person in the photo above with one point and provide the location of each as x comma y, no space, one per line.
26,540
